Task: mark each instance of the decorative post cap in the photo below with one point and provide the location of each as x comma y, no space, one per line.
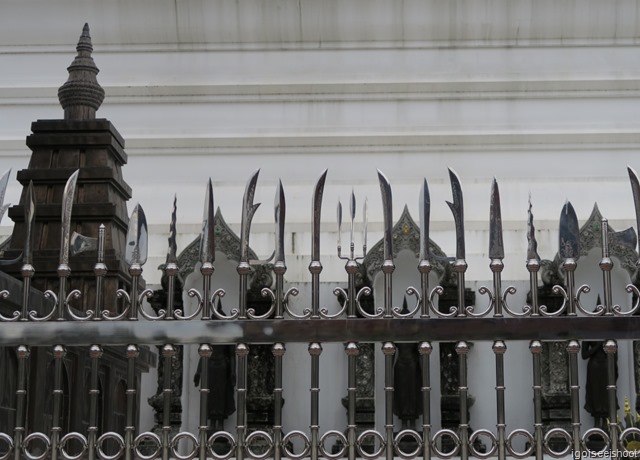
81,95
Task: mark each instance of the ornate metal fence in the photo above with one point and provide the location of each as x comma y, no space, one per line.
130,323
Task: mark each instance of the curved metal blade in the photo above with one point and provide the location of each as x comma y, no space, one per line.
280,209
339,219
137,238
457,209
626,238
315,216
635,189
173,247
532,243
4,181
81,243
387,210
424,205
496,245
208,235
65,228
569,237
29,218
248,210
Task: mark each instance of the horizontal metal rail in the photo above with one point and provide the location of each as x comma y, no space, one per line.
72,333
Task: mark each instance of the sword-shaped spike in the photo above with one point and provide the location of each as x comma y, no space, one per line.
248,210
137,238
208,235
635,189
365,224
352,213
387,208
279,211
65,228
496,245
569,235
173,248
532,244
316,203
339,219
4,181
424,205
457,209
29,218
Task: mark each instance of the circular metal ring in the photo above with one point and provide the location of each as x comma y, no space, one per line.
6,438
483,432
305,439
600,432
440,434
174,445
147,435
341,437
254,435
377,436
42,437
627,432
73,435
563,434
225,435
412,434
103,438
526,434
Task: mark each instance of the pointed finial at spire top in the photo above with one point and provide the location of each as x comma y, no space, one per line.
81,95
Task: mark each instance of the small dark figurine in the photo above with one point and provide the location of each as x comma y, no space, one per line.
597,398
221,379
407,400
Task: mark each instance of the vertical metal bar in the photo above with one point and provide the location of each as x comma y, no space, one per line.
100,270
170,270
462,348
352,351
569,266
242,350
352,269
243,270
63,273
168,352
424,267
278,352
279,269
95,353
130,428
207,271
536,350
611,348
315,267
135,271
425,349
387,268
59,353
389,350
315,349
497,266
573,348
500,348
533,266
23,352
205,352
460,267
27,272
606,265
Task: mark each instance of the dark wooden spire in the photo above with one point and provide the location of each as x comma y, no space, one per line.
81,95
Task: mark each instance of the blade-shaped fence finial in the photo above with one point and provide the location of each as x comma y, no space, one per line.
65,228
496,245
387,210
569,235
424,205
173,247
248,210
532,243
279,208
315,216
208,235
137,238
457,208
